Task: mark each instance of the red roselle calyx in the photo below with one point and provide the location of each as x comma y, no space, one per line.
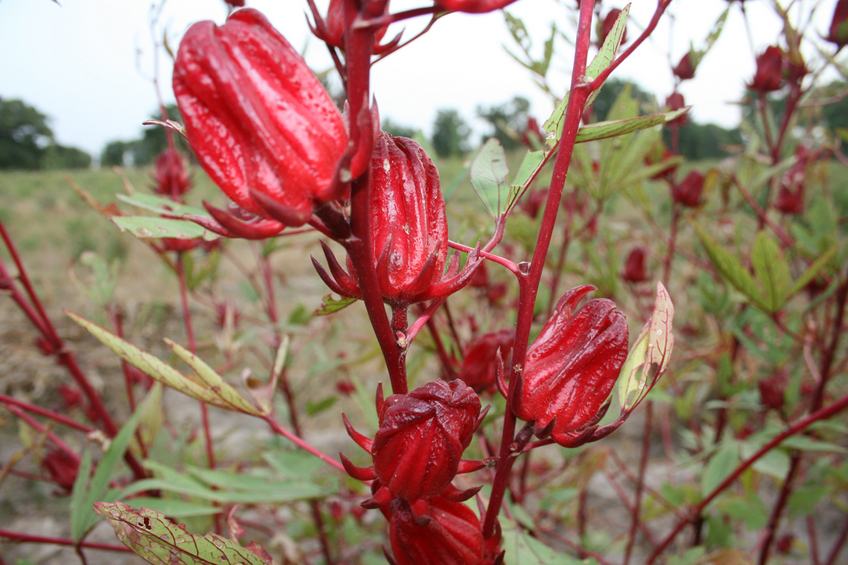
417,450
634,268
453,536
689,191
259,120
480,363
769,75
170,174
331,29
409,230
606,26
685,69
571,369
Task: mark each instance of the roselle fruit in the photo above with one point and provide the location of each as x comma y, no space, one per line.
769,75
409,230
258,119
571,368
417,450
689,191
453,536
170,174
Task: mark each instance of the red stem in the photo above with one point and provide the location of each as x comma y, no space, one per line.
8,400
529,284
27,538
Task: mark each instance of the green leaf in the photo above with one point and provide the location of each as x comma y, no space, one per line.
555,123
650,355
161,205
313,408
488,177
802,501
731,269
532,160
719,467
771,270
82,516
151,227
804,443
175,507
330,305
814,269
207,388
603,130
158,541
522,549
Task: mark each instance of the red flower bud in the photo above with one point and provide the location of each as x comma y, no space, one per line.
258,119
689,191
479,364
839,25
473,6
61,467
409,230
685,70
789,201
675,101
453,536
606,25
331,30
417,450
634,267
170,174
769,75
571,368
772,390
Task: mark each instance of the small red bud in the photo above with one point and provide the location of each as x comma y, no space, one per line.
675,101
61,467
685,70
689,191
606,26
170,175
769,75
479,363
634,268
772,391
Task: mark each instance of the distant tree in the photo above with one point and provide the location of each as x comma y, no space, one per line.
114,154
397,130
835,114
62,157
704,141
610,91
450,133
23,135
508,121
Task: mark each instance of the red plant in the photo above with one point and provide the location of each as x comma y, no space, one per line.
685,69
838,32
769,75
634,267
689,191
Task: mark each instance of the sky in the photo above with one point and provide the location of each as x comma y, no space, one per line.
89,64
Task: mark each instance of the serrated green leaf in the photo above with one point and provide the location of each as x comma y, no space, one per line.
151,227
330,305
731,269
158,541
771,270
221,395
488,177
604,130
532,160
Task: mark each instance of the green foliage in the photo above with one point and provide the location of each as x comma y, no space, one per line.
507,120
705,141
24,134
450,134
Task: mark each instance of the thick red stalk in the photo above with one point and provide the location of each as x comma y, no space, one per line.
360,42
529,282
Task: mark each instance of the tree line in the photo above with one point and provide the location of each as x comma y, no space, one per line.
26,140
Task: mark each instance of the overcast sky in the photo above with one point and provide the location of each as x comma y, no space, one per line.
88,64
